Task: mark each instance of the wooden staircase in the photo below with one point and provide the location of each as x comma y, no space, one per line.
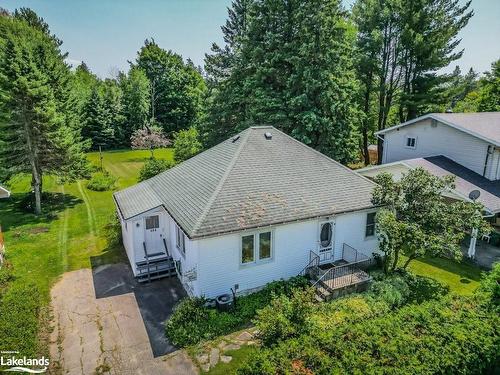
161,265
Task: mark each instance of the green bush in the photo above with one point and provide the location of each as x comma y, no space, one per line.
153,166
186,144
490,286
101,181
393,290
453,335
285,316
388,331
19,308
192,322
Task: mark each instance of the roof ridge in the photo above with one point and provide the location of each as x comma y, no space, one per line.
245,133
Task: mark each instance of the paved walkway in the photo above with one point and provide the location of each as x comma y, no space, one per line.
486,254
104,335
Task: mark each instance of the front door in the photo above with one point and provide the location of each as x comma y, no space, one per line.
326,241
153,235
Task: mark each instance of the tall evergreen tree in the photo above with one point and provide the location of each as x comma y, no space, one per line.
225,100
429,41
294,70
176,88
136,101
38,132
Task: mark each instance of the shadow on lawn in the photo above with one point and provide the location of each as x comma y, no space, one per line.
18,209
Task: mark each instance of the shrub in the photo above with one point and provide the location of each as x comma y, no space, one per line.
101,181
285,316
490,285
451,335
186,144
19,308
153,166
369,334
192,322
392,290
113,230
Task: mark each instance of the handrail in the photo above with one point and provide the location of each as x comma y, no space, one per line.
313,262
147,261
166,248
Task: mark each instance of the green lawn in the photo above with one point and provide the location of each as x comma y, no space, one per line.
70,232
239,356
461,277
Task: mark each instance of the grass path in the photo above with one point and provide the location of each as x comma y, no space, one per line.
90,212
63,236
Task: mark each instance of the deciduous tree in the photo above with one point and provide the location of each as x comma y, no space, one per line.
416,220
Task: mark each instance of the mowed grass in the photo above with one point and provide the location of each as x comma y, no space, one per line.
461,277
70,233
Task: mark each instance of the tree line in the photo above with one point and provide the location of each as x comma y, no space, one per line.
328,76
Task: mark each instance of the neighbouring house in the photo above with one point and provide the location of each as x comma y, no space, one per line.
463,145
469,139
258,207
4,193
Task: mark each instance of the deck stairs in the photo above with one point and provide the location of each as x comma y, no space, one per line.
155,266
344,276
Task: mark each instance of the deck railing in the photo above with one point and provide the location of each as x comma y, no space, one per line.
341,275
344,275
312,266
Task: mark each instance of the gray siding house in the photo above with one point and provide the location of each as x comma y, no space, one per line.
469,139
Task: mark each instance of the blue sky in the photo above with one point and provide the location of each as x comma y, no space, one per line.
105,33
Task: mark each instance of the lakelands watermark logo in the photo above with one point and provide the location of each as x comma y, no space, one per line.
11,362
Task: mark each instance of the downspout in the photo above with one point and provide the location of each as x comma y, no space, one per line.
382,143
488,153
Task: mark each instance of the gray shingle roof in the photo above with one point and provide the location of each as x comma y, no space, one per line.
465,179
484,125
249,182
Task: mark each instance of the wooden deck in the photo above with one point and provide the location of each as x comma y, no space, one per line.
343,281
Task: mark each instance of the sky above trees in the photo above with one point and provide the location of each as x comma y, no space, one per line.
105,34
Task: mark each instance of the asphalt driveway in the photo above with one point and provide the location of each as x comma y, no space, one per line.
156,300
120,332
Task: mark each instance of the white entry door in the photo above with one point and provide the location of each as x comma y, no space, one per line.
326,248
153,237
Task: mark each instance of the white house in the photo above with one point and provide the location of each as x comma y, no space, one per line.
470,139
257,207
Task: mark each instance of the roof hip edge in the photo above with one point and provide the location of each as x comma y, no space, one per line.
243,141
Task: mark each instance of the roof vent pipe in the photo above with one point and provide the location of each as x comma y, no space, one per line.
268,135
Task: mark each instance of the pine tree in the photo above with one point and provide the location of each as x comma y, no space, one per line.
429,41
38,132
292,68
225,102
136,101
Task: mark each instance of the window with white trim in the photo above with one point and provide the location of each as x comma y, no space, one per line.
180,240
152,222
370,224
411,142
256,247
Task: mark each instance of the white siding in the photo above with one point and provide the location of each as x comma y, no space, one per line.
219,266
461,147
